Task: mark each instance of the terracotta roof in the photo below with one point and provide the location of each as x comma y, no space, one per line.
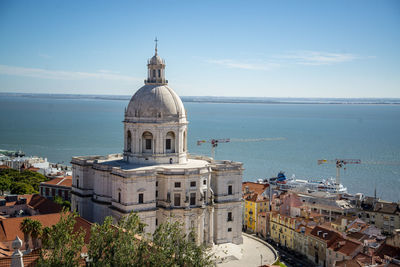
349,263
388,250
328,235
44,205
357,236
363,258
85,225
252,187
255,197
10,228
28,259
4,251
384,207
4,167
344,246
38,202
63,181
12,203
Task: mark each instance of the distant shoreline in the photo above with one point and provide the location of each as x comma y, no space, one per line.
222,99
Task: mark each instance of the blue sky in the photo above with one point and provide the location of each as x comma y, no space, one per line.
218,48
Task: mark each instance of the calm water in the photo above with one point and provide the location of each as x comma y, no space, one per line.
59,129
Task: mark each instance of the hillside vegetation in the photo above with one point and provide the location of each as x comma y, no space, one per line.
25,182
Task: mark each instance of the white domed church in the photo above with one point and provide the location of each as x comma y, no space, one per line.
155,176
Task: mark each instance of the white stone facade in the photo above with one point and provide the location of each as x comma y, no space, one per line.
155,177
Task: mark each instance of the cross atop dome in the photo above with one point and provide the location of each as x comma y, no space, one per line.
156,40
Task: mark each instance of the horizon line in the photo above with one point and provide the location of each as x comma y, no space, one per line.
202,96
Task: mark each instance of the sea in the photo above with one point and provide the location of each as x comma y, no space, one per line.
267,135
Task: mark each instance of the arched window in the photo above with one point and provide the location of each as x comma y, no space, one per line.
170,142
154,73
129,142
159,73
147,139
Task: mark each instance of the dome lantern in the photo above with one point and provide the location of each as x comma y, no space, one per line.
156,69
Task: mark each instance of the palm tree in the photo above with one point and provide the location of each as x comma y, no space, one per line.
26,228
36,231
45,235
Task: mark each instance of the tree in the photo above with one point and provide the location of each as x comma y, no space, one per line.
174,248
125,244
36,231
26,182
65,203
4,184
45,236
20,188
26,228
62,245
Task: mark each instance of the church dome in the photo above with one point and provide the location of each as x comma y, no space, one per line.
155,101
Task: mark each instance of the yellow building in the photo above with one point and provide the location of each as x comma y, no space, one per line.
254,204
250,214
283,230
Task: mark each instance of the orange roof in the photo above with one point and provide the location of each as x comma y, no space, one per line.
63,181
325,234
28,259
4,167
255,197
252,187
12,203
85,225
344,246
10,228
388,250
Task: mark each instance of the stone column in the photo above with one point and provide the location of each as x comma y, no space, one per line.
16,257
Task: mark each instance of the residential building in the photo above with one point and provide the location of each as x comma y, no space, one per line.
300,237
57,187
319,240
341,249
384,215
26,205
283,229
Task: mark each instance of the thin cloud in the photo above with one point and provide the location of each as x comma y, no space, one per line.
109,71
310,58
242,65
61,75
316,58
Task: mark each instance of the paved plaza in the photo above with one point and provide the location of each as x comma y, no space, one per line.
250,253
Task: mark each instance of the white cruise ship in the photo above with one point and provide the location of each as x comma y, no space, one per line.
324,185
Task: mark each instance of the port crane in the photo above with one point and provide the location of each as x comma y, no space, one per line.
214,142
339,164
